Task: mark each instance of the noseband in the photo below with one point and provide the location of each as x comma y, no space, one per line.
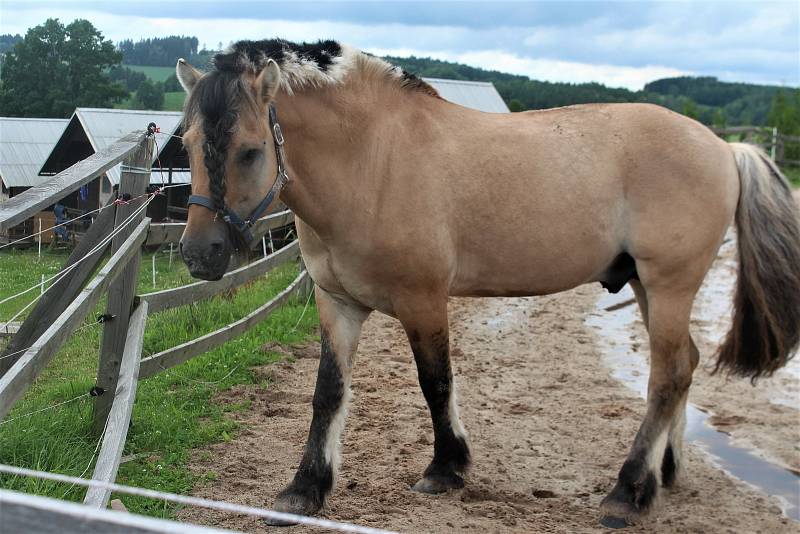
243,226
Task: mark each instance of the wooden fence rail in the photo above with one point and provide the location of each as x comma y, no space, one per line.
768,138
20,512
186,351
188,294
172,232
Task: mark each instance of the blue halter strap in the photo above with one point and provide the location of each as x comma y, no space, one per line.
243,226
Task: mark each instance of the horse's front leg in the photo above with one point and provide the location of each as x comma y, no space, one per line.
425,322
341,327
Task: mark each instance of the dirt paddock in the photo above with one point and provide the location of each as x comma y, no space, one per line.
549,429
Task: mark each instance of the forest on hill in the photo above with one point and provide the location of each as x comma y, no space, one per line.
705,98
139,68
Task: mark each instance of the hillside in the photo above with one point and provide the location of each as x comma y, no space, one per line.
706,98
709,100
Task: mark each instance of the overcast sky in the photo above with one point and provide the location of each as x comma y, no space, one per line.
624,44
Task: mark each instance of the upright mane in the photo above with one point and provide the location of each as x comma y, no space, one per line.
310,64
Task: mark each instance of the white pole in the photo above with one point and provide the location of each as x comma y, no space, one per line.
264,245
40,238
154,270
41,286
170,256
271,246
774,142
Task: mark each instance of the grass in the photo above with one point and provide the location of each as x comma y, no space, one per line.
173,101
174,410
793,174
157,74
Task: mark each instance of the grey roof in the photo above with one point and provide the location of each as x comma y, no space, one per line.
104,126
482,96
24,146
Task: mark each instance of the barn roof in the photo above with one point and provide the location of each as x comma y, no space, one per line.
482,96
100,127
24,145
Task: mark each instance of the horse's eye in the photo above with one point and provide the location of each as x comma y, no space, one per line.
247,157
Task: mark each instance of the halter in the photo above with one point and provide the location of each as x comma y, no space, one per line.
243,226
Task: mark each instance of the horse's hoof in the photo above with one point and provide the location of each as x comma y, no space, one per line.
293,503
613,522
434,484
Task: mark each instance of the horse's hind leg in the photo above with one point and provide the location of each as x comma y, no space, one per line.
673,454
655,453
426,325
341,327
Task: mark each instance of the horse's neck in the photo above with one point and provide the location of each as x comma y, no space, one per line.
326,143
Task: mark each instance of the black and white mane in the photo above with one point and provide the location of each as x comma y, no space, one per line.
309,64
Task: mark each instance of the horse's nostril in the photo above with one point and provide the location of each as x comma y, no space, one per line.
216,247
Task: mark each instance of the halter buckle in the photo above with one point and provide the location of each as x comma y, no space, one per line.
276,130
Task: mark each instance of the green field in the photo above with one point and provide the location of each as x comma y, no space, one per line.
174,101
793,174
157,74
174,411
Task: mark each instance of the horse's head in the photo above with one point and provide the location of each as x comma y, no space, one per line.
233,155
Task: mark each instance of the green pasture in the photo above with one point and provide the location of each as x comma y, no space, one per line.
174,411
157,74
173,101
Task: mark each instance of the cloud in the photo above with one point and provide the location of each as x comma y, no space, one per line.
633,78
617,43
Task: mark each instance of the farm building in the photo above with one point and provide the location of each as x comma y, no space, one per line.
24,146
92,129
482,96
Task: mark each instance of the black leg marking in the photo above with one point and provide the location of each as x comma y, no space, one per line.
313,480
668,467
451,455
634,492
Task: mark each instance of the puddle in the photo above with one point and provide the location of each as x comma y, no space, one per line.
627,364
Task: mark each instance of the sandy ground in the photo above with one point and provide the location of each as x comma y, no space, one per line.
549,427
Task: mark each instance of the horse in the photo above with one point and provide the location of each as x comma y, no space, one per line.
403,199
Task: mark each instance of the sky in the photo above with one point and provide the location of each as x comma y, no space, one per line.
620,44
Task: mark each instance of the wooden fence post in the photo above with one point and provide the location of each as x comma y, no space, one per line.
134,179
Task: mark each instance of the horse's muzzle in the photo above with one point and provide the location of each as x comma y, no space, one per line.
206,259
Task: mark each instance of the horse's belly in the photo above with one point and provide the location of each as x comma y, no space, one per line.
521,267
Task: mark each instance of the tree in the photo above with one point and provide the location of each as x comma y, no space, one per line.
57,68
515,105
690,109
150,95
784,112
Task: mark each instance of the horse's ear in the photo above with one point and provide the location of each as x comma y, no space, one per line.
268,81
187,75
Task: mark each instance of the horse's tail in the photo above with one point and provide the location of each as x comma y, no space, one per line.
766,323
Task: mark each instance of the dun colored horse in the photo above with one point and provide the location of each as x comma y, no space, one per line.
403,199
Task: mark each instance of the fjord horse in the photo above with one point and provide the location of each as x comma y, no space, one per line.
403,199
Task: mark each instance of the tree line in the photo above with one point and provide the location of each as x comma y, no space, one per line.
704,98
55,68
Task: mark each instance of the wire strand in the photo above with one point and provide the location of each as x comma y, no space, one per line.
103,242
195,501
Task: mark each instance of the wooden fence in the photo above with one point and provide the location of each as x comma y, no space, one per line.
768,138
123,229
